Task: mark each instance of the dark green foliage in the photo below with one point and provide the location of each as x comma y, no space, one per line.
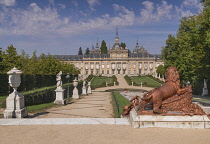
89,78
87,52
123,45
46,94
80,51
189,50
44,65
161,70
30,82
103,47
128,79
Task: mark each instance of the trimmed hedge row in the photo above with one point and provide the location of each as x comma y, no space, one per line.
129,81
30,82
89,78
46,94
155,79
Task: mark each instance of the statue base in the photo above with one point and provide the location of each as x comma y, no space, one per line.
89,90
169,121
15,106
84,91
75,94
205,92
59,97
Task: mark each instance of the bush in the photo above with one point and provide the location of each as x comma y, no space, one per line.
30,82
128,79
89,78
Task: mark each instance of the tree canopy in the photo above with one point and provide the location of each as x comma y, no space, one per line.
80,51
189,49
103,47
42,65
123,45
87,52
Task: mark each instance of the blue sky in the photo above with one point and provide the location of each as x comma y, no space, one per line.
62,26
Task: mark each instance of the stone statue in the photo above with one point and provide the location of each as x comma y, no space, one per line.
169,97
205,89
59,81
205,83
84,83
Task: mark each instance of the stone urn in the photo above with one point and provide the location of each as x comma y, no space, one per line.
75,82
14,78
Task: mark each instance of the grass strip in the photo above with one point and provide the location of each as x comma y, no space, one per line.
120,102
40,107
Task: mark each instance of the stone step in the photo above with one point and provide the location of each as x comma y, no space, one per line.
65,121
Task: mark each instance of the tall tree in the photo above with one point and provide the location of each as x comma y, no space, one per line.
103,47
87,52
80,51
123,45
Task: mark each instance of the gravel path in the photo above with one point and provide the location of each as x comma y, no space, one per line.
96,105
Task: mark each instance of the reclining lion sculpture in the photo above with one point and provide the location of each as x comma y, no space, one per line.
168,97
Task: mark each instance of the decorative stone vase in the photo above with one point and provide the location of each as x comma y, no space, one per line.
75,91
89,88
15,103
14,78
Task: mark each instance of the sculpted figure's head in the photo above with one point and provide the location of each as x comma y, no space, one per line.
172,74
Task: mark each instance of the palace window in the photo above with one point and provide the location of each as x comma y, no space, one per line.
107,71
91,71
86,72
102,71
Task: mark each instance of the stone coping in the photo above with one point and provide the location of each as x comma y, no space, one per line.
146,121
64,121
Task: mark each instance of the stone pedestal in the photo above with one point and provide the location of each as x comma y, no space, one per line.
15,106
59,96
205,92
75,93
84,90
89,88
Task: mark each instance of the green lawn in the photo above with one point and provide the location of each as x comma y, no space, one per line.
119,103
143,79
40,107
96,81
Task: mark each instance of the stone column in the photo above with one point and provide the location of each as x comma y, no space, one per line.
15,104
75,91
89,88
59,91
84,88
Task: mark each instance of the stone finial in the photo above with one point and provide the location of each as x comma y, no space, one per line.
14,78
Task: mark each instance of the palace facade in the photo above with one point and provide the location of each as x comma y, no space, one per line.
118,61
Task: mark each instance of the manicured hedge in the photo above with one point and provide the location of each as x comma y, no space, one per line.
30,82
46,94
155,79
129,81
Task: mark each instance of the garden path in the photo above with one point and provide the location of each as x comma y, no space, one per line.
95,105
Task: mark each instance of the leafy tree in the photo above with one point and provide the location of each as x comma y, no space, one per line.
103,47
87,52
189,50
80,51
123,45
161,70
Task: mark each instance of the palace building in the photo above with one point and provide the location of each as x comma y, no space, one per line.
118,61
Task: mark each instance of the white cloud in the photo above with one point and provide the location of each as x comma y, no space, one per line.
164,11
35,20
7,2
92,3
62,6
